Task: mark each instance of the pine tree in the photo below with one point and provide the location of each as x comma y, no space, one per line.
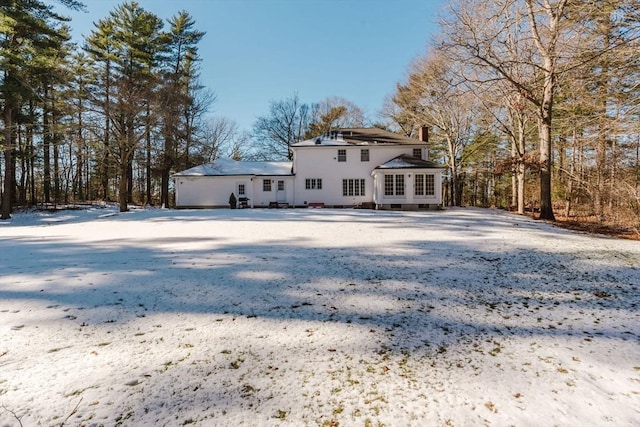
27,29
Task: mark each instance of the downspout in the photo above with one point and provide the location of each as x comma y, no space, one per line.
251,186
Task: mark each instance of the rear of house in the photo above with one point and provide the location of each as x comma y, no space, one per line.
360,167
254,184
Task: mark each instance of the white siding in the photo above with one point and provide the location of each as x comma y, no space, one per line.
214,191
262,198
322,162
207,191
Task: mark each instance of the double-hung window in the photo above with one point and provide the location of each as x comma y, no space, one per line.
364,155
417,152
266,185
342,155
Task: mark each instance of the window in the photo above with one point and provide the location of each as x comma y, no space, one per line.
342,155
313,184
418,184
388,185
417,152
424,185
364,155
241,189
429,185
266,185
280,185
353,187
394,185
399,185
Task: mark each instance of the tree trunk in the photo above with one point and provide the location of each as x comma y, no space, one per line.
546,208
122,186
56,167
544,125
46,146
8,173
148,156
80,148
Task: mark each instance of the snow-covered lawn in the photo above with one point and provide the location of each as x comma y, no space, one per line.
315,317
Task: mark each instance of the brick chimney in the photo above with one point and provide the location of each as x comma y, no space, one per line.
423,134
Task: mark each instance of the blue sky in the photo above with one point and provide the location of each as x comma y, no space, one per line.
257,51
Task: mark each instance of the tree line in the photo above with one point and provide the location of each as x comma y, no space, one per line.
534,104
531,104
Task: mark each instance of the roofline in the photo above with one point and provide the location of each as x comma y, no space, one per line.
230,174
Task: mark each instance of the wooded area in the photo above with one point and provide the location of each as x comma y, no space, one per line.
532,104
535,105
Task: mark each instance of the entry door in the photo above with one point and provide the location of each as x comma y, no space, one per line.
281,194
242,189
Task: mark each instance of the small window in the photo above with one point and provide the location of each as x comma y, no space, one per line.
364,155
342,155
313,184
266,185
241,189
417,152
280,185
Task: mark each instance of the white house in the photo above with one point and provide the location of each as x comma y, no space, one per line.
363,167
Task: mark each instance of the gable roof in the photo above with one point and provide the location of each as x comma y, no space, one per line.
405,161
226,167
359,136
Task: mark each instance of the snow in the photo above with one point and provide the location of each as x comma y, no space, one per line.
405,161
315,317
226,166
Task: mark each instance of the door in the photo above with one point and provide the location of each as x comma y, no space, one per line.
241,191
281,194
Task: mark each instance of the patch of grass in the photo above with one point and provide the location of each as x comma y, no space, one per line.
237,363
281,415
491,406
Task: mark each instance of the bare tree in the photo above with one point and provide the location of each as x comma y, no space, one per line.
333,113
286,124
481,34
218,137
433,97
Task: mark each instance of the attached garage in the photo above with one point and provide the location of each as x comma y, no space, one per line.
257,183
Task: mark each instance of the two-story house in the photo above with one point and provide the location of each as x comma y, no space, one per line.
364,167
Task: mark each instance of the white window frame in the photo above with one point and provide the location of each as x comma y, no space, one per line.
394,185
353,187
313,184
342,155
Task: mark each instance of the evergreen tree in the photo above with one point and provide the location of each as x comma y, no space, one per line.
28,28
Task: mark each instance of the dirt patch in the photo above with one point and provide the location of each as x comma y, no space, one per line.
594,227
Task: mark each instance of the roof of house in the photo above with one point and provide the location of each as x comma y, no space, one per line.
405,161
226,166
359,136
